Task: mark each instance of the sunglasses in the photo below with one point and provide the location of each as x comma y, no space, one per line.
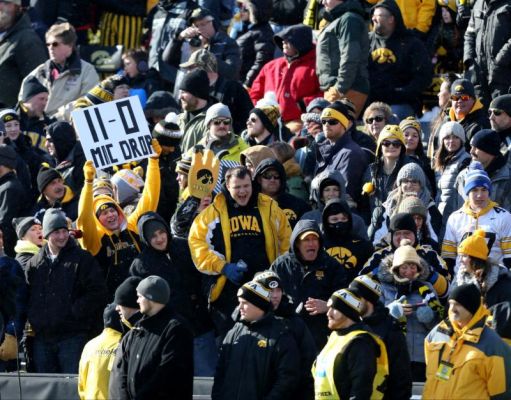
387,143
378,118
270,176
494,111
464,97
226,122
53,44
330,122
411,181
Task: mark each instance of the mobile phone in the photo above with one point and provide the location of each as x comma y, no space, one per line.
417,305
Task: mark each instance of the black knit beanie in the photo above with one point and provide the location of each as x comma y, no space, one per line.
126,292
196,83
468,296
45,175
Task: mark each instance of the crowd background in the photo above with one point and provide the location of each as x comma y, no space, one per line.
330,144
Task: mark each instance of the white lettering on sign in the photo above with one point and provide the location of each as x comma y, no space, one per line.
114,133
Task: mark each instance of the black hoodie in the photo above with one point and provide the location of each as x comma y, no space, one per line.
302,280
292,206
176,267
69,155
399,66
349,250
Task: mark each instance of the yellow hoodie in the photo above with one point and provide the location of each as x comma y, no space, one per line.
94,231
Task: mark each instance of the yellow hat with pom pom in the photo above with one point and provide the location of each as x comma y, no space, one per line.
475,245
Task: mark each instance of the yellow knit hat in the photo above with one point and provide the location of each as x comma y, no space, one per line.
475,245
389,132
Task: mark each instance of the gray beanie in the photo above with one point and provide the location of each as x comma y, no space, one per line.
23,224
155,289
411,171
451,128
53,219
215,111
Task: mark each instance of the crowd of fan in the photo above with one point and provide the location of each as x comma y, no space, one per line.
359,168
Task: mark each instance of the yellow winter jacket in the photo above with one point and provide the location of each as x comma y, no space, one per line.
93,230
276,228
481,361
417,14
96,363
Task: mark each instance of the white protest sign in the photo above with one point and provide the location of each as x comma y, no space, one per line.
114,133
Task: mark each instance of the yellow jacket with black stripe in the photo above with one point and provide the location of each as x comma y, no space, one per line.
481,361
96,363
94,231
209,260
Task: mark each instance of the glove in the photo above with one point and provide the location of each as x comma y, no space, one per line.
332,94
234,272
396,307
139,171
425,314
89,171
156,148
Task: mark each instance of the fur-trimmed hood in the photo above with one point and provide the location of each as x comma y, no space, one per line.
385,274
496,271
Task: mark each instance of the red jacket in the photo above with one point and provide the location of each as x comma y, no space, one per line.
291,83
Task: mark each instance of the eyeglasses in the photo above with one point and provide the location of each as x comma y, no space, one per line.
226,122
378,118
464,97
330,122
270,176
387,143
494,111
53,44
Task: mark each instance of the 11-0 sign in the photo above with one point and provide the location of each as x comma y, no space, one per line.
114,133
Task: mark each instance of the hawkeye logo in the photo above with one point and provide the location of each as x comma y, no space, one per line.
383,56
344,256
205,177
245,223
290,214
262,343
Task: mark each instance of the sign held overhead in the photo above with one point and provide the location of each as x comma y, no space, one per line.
114,133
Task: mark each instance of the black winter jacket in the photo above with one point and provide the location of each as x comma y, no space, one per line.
317,279
11,206
67,295
306,348
258,360
488,47
176,267
256,45
157,359
399,66
352,371
21,51
399,382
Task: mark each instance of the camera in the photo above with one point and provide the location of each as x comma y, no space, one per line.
195,41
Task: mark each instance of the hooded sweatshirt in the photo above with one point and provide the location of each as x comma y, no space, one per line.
116,250
316,279
173,265
359,227
341,243
293,207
